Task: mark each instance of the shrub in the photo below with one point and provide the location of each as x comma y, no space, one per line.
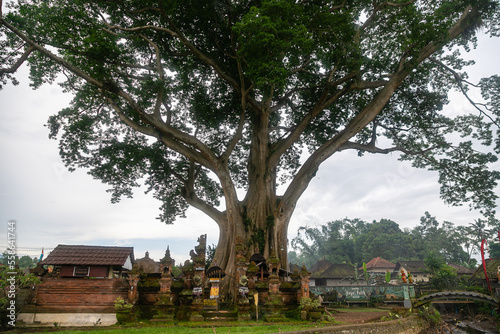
309,304
122,304
431,315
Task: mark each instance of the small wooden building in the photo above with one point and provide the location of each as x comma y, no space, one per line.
91,261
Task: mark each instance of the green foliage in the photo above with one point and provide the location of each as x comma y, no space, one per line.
148,285
27,262
11,280
308,304
209,255
494,249
273,39
259,238
397,313
122,305
387,276
337,241
199,99
356,241
443,277
431,315
269,222
292,314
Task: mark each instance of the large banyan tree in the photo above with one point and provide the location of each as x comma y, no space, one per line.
210,100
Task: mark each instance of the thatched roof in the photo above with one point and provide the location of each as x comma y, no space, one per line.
491,268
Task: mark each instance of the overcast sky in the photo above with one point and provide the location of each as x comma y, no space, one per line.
53,206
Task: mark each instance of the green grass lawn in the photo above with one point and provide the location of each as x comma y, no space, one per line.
180,329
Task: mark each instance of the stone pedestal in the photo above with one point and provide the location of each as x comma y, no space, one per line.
244,310
165,284
196,310
406,293
304,283
274,285
165,308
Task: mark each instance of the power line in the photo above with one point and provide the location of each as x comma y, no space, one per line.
26,249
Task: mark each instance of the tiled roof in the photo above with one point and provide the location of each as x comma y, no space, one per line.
89,255
319,267
461,269
379,262
340,270
413,266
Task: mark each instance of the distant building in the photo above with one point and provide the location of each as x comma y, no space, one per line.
417,269
461,270
379,266
90,261
420,273
148,265
325,273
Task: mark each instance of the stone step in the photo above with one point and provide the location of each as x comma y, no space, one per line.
220,315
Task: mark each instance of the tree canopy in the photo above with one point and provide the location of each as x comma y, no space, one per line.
356,241
205,100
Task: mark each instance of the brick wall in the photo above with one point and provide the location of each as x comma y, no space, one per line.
78,295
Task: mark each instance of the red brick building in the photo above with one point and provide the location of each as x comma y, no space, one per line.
82,287
91,261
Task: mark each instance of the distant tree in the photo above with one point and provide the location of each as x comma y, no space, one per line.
335,241
473,234
294,257
494,249
4,258
355,241
27,262
442,275
445,239
384,238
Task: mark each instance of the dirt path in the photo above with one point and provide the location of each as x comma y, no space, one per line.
359,316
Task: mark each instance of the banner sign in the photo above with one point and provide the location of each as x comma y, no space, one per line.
197,291
214,291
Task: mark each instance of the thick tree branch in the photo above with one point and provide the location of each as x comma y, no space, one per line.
137,29
185,150
202,57
134,125
203,155
52,56
189,195
376,8
19,62
367,115
236,138
342,5
216,215
323,102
